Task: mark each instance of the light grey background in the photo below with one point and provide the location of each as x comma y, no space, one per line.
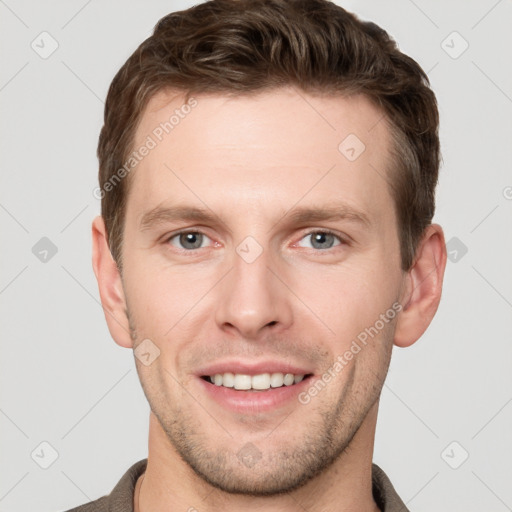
65,382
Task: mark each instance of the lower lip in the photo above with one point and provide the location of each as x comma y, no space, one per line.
254,402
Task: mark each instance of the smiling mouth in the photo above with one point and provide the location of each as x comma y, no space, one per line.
259,382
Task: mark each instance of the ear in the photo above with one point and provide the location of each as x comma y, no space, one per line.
422,288
110,286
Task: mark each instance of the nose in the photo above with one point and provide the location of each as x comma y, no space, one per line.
253,298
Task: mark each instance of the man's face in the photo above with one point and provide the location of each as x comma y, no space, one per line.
256,289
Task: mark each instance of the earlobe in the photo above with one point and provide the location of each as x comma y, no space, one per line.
422,288
110,286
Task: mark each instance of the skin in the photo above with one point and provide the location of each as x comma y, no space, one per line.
250,160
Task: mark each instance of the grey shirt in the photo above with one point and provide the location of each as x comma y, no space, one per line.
121,497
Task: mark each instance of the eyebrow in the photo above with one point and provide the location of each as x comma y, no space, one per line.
162,215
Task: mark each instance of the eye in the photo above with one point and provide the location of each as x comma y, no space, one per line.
323,239
188,240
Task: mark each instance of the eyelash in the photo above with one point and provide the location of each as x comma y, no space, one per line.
343,241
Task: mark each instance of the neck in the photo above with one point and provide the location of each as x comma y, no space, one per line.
169,483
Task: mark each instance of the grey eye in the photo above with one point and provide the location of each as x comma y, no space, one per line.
322,240
188,240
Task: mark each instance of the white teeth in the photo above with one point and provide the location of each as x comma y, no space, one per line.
242,381
228,380
276,380
288,379
261,381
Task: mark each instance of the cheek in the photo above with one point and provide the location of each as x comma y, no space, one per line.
159,296
349,298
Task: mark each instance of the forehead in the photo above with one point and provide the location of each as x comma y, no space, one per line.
275,146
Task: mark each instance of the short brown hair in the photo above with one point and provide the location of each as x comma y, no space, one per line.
242,46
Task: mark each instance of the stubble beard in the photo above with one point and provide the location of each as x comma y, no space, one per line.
327,438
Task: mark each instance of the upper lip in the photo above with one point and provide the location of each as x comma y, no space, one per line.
252,368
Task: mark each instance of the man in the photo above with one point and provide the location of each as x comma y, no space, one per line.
267,175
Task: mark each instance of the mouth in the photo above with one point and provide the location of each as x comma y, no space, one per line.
261,382
251,388
251,392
